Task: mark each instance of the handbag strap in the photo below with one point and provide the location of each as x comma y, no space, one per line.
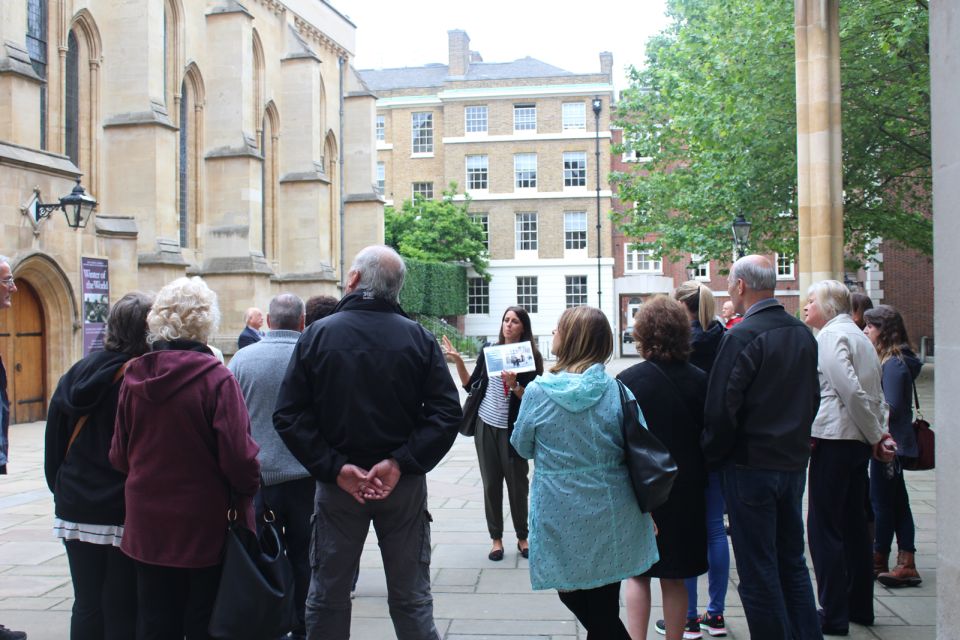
83,419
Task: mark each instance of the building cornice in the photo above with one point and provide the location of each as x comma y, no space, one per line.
526,137
311,32
493,93
534,195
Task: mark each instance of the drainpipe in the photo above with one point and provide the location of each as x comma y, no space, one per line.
341,61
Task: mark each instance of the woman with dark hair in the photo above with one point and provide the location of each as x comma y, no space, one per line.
705,335
888,491
671,393
318,307
499,461
859,304
586,527
87,490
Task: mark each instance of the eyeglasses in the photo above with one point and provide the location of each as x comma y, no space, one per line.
9,282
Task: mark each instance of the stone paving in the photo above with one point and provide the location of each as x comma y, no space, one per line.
474,598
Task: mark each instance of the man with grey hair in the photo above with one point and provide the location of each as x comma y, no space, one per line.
368,407
762,398
252,322
8,287
287,487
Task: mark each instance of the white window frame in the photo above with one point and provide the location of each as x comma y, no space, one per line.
528,294
526,232
473,123
381,128
574,116
575,290
381,177
702,268
525,117
572,230
574,169
483,219
478,296
524,171
478,175
640,261
788,270
425,190
421,137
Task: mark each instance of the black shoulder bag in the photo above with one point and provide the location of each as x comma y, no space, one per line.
255,598
652,468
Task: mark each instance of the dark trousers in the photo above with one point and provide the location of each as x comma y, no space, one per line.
598,610
499,463
891,506
174,603
837,528
766,526
292,505
104,592
402,523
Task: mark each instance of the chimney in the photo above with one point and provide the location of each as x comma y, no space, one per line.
606,64
459,52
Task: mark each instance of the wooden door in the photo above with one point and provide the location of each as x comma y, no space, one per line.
24,355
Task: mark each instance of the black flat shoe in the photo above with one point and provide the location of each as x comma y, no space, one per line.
496,555
524,552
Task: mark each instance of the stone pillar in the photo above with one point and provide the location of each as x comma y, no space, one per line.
233,164
19,84
305,184
139,137
819,169
945,96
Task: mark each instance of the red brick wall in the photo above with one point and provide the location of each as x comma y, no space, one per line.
908,286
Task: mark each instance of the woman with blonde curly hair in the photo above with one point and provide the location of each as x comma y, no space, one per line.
182,436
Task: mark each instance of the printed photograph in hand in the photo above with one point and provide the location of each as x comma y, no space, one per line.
517,357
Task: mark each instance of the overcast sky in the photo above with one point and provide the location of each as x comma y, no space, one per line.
569,35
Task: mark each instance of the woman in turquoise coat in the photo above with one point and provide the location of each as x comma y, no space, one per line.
587,532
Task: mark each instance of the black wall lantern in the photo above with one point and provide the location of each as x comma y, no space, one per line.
77,207
741,234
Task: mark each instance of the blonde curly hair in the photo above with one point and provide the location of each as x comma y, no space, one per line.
185,309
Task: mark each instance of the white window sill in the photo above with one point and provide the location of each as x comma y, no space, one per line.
421,155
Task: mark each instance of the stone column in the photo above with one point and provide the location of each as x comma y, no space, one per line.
819,169
945,96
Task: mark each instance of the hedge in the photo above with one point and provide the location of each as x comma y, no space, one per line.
434,288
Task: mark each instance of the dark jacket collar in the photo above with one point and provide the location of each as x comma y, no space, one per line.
180,345
365,301
763,305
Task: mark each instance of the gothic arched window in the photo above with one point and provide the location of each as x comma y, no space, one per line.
71,113
37,49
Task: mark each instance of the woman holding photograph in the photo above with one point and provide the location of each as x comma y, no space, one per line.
498,411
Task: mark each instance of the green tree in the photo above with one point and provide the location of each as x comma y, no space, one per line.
714,111
437,231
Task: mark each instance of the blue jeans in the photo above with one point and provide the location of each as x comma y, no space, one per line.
891,508
766,524
718,553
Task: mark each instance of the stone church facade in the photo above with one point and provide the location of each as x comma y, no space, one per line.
226,140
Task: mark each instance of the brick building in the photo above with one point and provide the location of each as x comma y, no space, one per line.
519,137
638,275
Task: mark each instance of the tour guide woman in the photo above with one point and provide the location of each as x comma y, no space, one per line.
587,530
498,411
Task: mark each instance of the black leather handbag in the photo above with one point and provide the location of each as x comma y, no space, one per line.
471,407
652,468
255,598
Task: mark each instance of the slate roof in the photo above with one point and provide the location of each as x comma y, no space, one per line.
434,75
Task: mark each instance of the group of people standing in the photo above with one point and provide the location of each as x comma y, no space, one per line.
332,426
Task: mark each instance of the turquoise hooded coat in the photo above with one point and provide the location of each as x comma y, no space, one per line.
586,529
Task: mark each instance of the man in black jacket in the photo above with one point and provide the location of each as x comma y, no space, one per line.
368,407
762,397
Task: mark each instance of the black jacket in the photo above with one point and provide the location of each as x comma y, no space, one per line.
86,488
763,393
704,344
364,384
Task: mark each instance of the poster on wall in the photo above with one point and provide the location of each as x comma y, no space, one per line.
96,302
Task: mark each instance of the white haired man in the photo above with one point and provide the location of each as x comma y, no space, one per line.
368,407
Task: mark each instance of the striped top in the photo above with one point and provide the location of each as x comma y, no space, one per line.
495,406
108,534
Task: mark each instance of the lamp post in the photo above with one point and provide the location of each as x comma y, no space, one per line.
597,104
77,207
741,234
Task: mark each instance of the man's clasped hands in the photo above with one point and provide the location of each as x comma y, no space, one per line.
375,484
